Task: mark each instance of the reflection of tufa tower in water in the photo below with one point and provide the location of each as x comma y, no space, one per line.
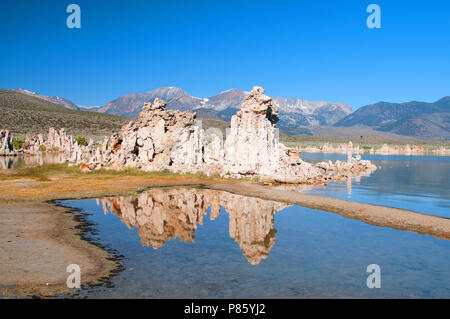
162,215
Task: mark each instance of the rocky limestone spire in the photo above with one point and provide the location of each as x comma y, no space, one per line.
149,108
251,146
259,103
158,105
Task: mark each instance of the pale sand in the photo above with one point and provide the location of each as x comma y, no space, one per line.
38,242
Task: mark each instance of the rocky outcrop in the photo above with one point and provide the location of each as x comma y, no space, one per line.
329,148
162,215
59,142
385,149
6,147
157,140
175,141
400,150
353,166
33,144
161,139
252,146
55,142
442,151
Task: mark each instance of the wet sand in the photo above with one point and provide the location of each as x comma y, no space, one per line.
38,242
39,239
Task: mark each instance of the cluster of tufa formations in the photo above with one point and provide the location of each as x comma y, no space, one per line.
385,149
171,140
175,141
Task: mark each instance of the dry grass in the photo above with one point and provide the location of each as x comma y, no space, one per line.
48,171
23,114
58,181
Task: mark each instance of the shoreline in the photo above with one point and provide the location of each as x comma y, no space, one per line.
365,153
31,222
41,240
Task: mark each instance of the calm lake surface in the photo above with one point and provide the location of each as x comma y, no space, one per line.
196,243
418,183
10,162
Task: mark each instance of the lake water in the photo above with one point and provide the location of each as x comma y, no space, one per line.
418,183
199,243
10,162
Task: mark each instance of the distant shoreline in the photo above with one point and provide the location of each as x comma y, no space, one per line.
362,154
385,150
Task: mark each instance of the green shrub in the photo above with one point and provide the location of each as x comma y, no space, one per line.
18,144
81,141
42,148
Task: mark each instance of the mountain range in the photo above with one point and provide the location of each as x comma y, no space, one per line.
60,101
24,114
417,119
297,116
293,112
53,99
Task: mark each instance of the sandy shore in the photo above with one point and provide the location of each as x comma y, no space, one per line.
39,239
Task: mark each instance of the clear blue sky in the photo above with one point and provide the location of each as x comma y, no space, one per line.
316,49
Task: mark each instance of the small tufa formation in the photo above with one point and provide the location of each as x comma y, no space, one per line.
442,151
383,150
399,150
33,144
59,141
345,148
6,147
56,142
353,166
61,144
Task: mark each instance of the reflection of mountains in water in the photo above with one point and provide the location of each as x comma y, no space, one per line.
164,214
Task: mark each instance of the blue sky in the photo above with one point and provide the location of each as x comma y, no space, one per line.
315,50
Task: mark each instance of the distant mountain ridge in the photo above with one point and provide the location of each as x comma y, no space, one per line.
24,114
53,99
59,100
293,112
417,119
131,104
